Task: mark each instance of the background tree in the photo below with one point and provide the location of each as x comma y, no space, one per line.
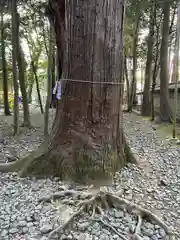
165,107
22,82
4,67
14,61
49,84
146,105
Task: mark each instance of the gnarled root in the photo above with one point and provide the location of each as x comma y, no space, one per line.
104,200
65,225
136,235
22,163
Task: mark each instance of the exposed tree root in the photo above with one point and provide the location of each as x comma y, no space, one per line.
107,225
140,211
104,200
65,225
22,163
136,235
71,193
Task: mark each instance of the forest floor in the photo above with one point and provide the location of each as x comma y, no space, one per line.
153,184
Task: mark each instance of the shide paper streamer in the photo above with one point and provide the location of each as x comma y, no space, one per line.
57,90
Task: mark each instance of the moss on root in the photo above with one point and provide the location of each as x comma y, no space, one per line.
80,166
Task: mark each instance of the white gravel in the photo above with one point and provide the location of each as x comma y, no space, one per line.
155,184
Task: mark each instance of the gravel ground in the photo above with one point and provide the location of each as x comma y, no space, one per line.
155,184
12,148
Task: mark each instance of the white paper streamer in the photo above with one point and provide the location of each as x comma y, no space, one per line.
59,91
55,88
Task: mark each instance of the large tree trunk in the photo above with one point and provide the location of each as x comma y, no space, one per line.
87,137
146,105
165,107
4,69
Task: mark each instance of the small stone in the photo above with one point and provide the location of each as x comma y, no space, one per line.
162,232
13,230
25,230
28,219
119,214
46,228
29,224
22,223
4,233
148,232
82,226
85,236
104,237
146,238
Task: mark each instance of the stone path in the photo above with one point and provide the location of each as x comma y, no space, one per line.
155,183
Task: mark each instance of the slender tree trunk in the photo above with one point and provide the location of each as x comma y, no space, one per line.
21,67
79,147
4,70
53,98
127,81
14,54
165,107
49,83
146,105
134,80
155,70
37,86
29,91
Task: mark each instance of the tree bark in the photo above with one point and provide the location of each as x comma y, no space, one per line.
14,54
21,67
4,69
146,105
156,69
29,89
49,82
127,82
84,143
53,76
37,86
134,80
165,107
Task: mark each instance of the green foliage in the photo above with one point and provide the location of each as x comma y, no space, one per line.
11,99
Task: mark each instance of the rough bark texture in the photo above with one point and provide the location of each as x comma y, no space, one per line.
53,73
21,67
127,81
49,83
34,68
14,54
29,90
156,69
4,69
165,108
146,105
87,136
134,80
